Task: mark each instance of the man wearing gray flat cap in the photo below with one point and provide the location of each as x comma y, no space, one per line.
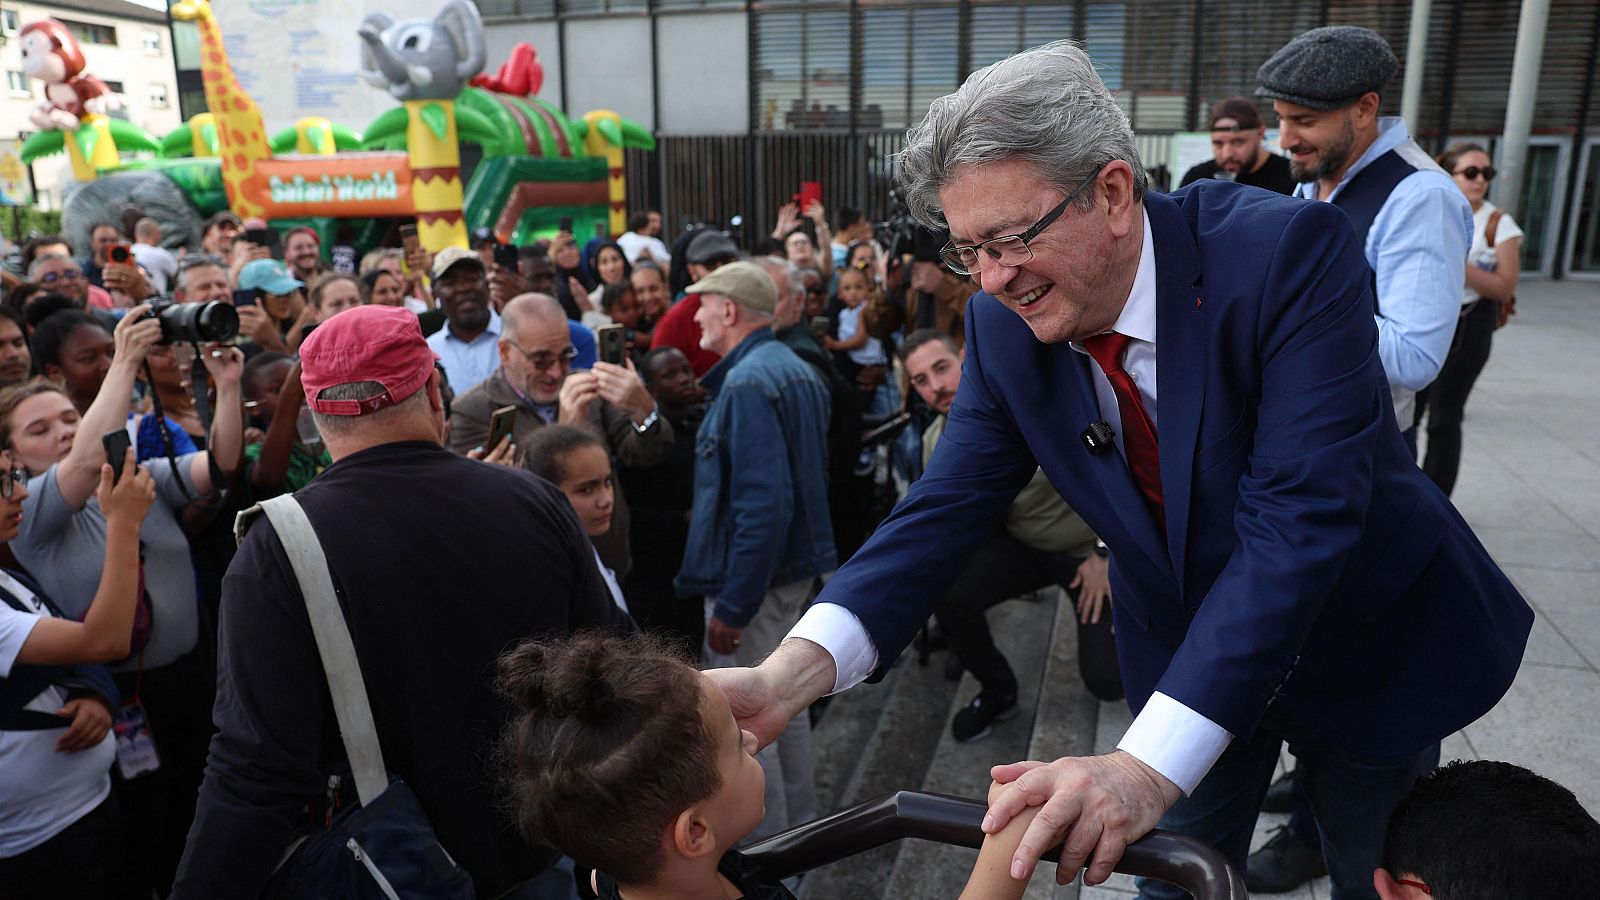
1415,227
1414,223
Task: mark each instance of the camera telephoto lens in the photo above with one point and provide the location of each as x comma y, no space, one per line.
196,322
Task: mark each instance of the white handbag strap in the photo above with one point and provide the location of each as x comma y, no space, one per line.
350,706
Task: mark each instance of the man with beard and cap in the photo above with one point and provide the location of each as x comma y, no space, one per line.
1413,223
468,344
1239,150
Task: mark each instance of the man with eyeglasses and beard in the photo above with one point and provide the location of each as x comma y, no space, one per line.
535,376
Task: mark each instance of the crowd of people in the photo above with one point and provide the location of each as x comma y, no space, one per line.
683,452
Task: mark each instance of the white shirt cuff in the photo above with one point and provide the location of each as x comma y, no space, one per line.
838,631
1175,740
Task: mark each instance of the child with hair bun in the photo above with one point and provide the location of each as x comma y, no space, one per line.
624,757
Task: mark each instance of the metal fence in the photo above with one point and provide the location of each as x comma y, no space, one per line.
715,178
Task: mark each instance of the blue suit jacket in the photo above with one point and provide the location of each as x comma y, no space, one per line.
1308,562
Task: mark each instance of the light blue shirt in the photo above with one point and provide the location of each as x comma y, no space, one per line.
1418,248
468,362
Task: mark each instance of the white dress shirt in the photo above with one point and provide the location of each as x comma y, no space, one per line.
1167,736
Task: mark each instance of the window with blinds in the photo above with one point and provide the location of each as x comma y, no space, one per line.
603,7
802,69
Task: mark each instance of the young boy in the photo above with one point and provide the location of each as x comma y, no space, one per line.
575,460
628,760
1485,830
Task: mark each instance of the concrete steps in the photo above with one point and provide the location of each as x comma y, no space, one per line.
871,741
876,739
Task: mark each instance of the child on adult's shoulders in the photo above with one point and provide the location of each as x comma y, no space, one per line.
624,757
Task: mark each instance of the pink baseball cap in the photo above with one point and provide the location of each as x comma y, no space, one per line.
368,343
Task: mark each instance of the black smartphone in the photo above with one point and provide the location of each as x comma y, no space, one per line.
565,224
116,444
261,236
500,424
821,326
505,256
246,296
613,344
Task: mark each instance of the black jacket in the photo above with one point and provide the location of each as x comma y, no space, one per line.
441,564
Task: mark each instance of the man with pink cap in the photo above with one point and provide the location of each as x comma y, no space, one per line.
428,612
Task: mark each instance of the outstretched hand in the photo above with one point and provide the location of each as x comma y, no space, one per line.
1096,805
765,698
756,703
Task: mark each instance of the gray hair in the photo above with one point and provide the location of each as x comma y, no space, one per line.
193,261
1045,106
39,261
782,269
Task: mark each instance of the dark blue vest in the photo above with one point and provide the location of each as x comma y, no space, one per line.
1364,195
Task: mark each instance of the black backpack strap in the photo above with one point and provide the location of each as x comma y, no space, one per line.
27,681
1364,195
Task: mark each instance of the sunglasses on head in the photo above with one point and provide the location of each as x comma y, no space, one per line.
1471,173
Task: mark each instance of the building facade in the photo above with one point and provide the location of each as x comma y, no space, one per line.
750,98
126,45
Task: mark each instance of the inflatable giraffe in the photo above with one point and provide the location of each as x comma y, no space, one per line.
241,132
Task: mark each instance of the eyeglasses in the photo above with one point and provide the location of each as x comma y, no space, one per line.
53,277
1416,884
544,359
1471,173
10,478
1010,249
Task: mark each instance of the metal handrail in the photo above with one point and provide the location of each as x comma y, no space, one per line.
1188,863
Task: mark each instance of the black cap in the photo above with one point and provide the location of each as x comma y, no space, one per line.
1244,114
708,246
1328,68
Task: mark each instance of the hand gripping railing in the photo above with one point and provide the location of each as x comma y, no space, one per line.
1185,862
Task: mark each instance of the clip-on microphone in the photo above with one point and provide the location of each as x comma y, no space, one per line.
1099,438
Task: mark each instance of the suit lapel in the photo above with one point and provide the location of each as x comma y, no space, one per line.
1180,365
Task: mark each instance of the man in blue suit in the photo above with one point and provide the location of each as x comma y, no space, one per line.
1198,375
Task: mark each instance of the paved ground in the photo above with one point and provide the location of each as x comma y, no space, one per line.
1530,486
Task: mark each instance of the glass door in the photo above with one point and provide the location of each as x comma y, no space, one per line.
1583,254
1543,187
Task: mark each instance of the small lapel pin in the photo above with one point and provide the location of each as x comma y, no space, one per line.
1197,303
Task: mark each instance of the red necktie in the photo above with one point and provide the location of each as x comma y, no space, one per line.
1138,433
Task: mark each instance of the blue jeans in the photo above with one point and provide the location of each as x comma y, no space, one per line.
1351,796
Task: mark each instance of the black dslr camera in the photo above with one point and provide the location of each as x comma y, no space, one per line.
197,323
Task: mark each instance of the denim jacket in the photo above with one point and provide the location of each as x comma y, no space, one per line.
760,515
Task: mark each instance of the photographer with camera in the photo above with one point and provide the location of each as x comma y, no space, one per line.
62,530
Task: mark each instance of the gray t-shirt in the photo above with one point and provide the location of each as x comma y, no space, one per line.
65,548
